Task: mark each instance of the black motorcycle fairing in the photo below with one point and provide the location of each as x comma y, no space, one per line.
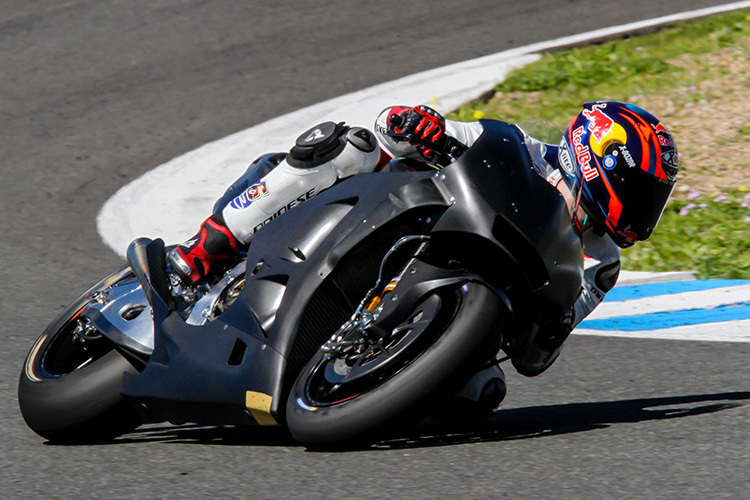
502,200
191,376
299,252
309,268
202,374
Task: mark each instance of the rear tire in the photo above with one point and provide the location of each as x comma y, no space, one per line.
325,416
70,394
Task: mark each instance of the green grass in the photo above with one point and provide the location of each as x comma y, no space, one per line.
554,87
712,238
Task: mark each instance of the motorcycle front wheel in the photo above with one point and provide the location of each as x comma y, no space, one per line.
69,389
346,398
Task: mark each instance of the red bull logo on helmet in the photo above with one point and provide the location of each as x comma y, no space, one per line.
665,139
583,155
600,125
659,128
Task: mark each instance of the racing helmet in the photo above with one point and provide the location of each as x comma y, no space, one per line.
626,161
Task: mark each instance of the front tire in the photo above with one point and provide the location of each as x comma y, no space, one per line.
462,324
71,393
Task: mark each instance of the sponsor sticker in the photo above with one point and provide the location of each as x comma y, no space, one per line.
286,207
609,162
628,157
566,162
627,233
583,155
659,128
599,123
244,200
665,141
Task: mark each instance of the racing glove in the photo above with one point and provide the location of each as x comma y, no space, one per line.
424,128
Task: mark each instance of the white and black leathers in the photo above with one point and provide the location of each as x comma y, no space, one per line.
298,178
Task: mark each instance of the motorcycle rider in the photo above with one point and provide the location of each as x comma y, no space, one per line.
615,166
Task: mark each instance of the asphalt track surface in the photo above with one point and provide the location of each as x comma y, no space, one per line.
94,94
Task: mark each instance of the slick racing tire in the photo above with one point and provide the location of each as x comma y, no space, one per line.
70,391
338,402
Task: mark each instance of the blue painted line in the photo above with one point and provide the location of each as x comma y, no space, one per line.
653,289
662,320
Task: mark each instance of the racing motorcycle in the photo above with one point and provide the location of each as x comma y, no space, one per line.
382,293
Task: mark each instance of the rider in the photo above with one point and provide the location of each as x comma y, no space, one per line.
616,167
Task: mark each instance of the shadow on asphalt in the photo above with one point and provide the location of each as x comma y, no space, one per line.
553,420
503,425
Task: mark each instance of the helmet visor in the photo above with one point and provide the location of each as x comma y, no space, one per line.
643,207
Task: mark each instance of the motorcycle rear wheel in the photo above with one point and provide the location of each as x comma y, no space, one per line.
458,328
71,393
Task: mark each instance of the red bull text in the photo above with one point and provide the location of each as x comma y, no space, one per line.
583,155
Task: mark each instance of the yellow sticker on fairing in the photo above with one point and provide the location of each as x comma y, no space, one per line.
259,405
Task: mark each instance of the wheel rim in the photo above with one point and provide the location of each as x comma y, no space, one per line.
72,347
340,377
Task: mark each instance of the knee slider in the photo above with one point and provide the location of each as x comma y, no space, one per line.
606,277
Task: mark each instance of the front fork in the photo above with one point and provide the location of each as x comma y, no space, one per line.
371,306
376,301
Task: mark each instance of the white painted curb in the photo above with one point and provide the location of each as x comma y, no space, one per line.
627,278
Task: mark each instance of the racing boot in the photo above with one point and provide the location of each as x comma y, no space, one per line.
206,253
